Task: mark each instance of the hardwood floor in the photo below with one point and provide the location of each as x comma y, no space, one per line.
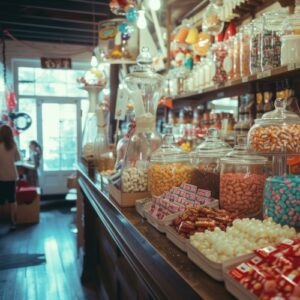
58,278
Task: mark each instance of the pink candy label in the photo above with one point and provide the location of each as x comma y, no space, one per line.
204,193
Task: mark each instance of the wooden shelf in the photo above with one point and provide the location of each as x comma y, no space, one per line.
235,87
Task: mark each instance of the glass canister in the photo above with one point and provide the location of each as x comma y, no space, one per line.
169,167
256,27
220,53
90,125
270,40
228,62
277,132
290,46
245,50
212,23
242,182
282,200
145,86
236,55
206,162
103,157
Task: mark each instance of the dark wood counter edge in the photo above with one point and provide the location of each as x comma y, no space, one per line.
143,258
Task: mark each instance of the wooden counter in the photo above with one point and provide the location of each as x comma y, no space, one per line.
126,258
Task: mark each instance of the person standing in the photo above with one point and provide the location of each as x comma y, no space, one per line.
35,159
8,173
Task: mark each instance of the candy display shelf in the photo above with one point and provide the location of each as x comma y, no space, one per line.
243,85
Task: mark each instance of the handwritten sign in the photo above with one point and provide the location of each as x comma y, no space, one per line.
56,63
121,105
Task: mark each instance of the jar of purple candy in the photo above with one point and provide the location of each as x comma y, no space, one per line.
282,200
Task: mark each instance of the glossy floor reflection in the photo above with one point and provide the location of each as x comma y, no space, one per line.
57,275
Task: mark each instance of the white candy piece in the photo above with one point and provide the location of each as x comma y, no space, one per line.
134,180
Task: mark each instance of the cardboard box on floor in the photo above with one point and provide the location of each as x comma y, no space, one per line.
26,213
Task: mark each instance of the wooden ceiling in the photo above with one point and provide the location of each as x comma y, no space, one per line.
70,21
58,21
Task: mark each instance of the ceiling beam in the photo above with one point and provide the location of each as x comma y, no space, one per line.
10,23
54,40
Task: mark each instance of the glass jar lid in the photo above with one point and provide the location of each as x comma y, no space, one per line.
143,73
168,152
279,115
212,146
241,155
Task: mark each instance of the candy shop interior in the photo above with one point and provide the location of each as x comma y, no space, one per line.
172,129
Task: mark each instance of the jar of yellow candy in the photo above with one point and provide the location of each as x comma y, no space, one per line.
169,166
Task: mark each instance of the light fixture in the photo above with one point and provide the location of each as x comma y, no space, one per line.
94,61
141,21
154,4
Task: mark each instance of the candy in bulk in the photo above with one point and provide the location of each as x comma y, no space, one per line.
255,46
219,52
242,193
241,238
134,180
162,177
278,131
207,178
274,139
271,42
169,166
200,219
273,273
282,199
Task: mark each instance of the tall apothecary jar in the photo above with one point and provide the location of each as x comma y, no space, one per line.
145,86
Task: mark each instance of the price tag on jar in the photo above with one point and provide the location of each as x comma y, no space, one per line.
267,73
245,79
121,105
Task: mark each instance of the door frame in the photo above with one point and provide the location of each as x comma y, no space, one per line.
59,100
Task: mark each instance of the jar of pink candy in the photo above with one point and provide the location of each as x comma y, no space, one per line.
220,52
243,177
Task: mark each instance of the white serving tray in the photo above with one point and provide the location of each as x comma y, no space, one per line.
172,234
158,224
233,286
213,269
139,206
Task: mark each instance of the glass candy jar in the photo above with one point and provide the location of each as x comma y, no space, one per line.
270,41
245,50
236,55
212,23
290,46
219,51
277,132
256,28
282,199
103,157
145,86
206,162
169,167
90,125
242,182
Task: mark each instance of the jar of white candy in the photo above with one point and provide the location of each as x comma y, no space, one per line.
144,85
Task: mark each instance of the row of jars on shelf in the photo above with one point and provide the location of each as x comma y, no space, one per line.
266,43
236,177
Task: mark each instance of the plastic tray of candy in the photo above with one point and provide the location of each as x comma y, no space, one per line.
173,236
233,286
139,206
213,269
158,224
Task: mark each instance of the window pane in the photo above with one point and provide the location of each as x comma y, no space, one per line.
28,106
74,91
47,75
26,89
26,74
51,89
73,75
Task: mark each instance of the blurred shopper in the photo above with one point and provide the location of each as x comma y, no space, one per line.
8,173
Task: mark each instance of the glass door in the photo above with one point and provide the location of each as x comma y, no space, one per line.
58,131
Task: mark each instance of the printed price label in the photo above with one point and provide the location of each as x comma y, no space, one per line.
259,75
290,67
267,73
245,79
121,105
